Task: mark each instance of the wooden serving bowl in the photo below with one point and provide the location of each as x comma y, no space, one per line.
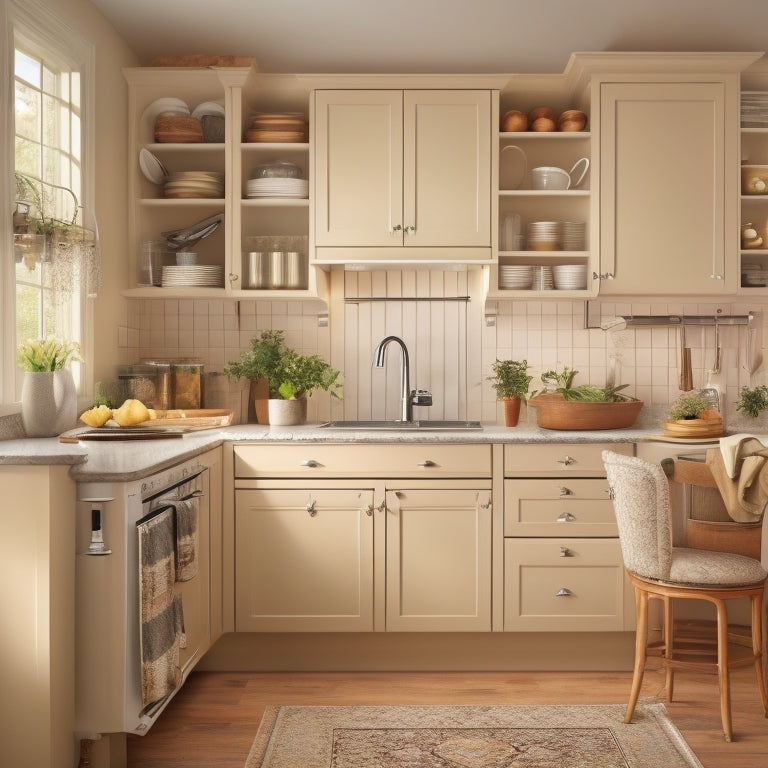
555,412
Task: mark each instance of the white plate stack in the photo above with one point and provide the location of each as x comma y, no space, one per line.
542,278
515,277
572,235
544,235
196,275
277,187
570,277
753,276
195,184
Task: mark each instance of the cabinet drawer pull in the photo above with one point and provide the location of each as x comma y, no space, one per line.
396,228
409,229
311,507
565,491
427,463
563,592
369,510
310,463
567,461
566,517
565,552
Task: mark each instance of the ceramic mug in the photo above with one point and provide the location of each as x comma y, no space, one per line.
549,177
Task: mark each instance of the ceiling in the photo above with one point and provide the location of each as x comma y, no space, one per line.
432,36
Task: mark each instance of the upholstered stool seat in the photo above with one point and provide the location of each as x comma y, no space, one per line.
657,570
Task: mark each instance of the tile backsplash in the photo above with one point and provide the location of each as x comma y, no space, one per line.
452,338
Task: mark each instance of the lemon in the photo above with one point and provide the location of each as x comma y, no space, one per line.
130,413
97,416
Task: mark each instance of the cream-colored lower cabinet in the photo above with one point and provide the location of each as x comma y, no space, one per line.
304,560
407,549
438,560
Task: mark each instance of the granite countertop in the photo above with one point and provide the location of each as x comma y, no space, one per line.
130,459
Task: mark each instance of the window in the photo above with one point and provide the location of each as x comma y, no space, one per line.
54,261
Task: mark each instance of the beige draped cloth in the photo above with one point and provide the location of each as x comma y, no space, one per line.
740,470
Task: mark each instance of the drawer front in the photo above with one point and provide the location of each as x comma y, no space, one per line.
579,459
412,460
575,585
558,507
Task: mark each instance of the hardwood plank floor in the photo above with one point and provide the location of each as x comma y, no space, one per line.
212,721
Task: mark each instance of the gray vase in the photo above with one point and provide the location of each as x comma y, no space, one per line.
48,403
285,413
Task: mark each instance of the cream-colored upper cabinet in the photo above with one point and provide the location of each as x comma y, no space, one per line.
399,170
667,188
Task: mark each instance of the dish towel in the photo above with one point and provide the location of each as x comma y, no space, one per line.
746,494
186,537
160,608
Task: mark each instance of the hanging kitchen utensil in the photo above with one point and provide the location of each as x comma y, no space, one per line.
686,372
717,363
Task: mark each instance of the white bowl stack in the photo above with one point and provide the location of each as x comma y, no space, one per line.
570,277
277,187
544,235
572,235
516,277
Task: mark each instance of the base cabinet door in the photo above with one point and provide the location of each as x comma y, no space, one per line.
304,560
438,564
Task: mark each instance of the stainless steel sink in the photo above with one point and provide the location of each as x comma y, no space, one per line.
422,426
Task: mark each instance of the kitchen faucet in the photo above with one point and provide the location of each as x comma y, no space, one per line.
407,398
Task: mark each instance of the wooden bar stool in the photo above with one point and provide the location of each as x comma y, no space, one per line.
657,570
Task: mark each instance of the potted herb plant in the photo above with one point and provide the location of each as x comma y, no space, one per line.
48,394
752,400
511,381
290,377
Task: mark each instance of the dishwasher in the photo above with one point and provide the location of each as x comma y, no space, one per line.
111,652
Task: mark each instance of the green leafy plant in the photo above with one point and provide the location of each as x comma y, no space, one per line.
289,374
688,407
48,354
510,378
753,400
561,383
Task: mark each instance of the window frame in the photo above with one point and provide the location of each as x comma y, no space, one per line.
33,22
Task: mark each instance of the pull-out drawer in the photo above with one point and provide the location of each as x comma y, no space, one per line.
579,459
558,507
411,460
570,585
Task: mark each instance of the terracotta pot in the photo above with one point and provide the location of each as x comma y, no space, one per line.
287,413
511,411
258,397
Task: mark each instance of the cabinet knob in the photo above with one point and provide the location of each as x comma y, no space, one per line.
563,592
369,510
396,228
427,463
566,460
603,276
409,229
565,552
715,277
311,507
566,517
565,491
310,463
233,278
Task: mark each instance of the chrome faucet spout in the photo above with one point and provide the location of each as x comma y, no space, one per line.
406,405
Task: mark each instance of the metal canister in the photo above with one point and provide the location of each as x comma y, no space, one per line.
257,269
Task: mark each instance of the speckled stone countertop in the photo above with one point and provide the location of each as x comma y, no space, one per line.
133,459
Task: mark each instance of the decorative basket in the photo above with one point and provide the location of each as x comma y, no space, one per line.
555,412
710,425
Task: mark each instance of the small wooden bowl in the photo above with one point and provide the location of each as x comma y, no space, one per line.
538,112
514,120
572,120
543,124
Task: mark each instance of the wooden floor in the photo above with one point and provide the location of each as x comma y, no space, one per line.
212,722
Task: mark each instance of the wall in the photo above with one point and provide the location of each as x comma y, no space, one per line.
451,342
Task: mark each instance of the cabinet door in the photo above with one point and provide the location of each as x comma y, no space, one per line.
447,168
303,560
663,188
358,168
438,560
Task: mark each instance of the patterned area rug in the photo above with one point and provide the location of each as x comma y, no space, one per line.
469,737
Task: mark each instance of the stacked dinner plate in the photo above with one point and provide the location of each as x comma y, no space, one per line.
570,277
194,184
285,127
754,109
572,235
544,235
193,275
277,187
542,278
515,276
753,275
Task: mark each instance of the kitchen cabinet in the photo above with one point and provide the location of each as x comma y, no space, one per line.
668,186
402,175
362,538
563,568
247,224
